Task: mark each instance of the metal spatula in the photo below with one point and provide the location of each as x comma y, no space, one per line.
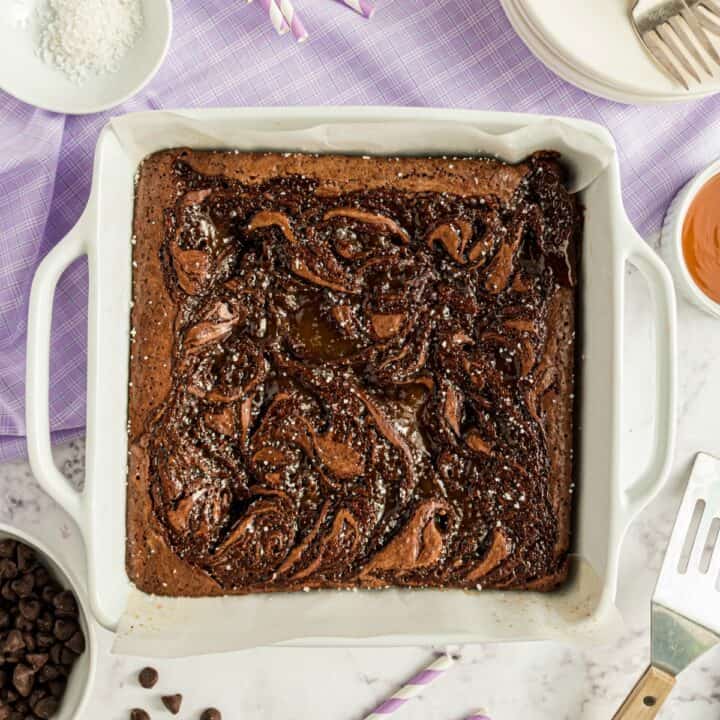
686,604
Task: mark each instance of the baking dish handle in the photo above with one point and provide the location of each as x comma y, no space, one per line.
37,407
662,292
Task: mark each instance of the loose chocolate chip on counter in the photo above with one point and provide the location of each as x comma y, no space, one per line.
211,714
23,679
139,714
172,702
147,677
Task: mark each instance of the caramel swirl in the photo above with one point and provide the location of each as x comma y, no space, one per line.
361,382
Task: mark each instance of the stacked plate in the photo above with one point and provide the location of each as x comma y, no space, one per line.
592,45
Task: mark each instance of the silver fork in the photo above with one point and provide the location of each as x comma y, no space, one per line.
673,31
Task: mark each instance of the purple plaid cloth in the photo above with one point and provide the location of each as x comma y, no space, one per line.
456,53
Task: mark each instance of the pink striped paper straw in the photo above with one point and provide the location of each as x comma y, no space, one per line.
293,20
478,715
412,687
364,7
276,17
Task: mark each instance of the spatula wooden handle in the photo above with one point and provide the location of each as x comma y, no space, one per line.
647,697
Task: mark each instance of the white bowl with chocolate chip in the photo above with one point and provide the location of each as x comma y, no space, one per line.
72,700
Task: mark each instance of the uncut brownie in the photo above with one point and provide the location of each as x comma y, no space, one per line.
350,372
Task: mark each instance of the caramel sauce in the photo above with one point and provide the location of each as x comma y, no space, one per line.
701,239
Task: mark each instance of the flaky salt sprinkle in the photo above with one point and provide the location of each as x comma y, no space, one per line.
87,37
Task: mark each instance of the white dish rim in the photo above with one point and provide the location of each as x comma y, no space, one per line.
71,581
92,108
560,65
671,239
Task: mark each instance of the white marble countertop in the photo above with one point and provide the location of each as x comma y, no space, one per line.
513,681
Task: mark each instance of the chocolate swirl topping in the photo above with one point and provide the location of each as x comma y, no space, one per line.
361,382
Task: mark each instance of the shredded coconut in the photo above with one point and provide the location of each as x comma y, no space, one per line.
87,37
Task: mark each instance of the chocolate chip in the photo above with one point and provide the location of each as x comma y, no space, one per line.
57,687
42,577
36,696
4,618
211,714
8,593
47,673
12,642
65,605
76,643
172,703
30,642
4,711
37,660
26,558
55,653
139,714
30,608
7,548
8,569
23,679
49,592
148,677
23,624
67,656
8,695
64,629
46,707
44,640
23,586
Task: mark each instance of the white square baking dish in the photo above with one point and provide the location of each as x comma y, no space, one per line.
606,502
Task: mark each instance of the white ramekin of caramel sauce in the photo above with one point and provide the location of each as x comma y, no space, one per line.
690,242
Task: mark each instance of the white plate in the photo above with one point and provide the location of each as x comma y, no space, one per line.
24,75
592,45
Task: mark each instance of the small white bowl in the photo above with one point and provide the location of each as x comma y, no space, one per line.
82,676
24,75
671,241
